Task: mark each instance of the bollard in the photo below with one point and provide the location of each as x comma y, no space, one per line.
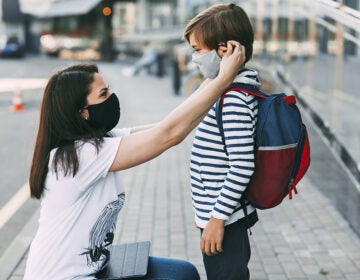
17,104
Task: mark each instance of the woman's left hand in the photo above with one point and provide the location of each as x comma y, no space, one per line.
232,60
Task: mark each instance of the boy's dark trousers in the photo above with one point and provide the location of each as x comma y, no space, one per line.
232,263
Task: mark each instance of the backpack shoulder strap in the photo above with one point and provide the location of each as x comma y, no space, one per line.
249,89
218,114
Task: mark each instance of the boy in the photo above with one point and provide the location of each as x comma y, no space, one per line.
219,178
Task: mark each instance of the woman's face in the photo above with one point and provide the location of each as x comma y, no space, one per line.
99,92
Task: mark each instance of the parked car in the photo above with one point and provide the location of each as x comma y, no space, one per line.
12,48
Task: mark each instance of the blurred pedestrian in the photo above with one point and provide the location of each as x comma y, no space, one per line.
106,46
149,58
185,75
220,172
176,72
76,163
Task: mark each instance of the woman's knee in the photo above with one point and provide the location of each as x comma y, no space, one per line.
174,269
188,271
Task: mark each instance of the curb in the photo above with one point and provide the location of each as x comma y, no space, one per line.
334,143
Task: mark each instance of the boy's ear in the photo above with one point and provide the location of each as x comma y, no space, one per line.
221,49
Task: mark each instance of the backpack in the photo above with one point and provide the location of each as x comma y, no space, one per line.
282,149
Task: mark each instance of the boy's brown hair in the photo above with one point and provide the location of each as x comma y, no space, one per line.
221,23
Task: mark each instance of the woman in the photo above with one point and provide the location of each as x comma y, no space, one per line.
75,169
221,169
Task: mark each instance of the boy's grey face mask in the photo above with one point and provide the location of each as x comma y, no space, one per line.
209,63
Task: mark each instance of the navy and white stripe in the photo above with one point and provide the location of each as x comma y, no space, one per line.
218,180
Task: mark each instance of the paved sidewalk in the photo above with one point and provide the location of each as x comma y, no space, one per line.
305,238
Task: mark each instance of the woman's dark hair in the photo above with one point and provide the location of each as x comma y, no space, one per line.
61,124
221,23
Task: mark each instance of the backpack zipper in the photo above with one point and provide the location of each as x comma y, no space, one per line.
299,149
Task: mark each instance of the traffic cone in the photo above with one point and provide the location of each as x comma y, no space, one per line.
17,104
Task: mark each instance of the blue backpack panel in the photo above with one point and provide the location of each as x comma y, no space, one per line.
282,149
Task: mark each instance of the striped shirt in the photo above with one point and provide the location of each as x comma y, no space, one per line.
218,180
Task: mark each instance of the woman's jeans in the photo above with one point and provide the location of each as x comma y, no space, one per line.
232,263
170,269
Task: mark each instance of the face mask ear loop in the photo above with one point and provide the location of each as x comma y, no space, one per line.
86,117
221,44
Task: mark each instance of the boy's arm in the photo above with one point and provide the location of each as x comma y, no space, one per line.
238,131
239,128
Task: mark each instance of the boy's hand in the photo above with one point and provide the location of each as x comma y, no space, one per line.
212,237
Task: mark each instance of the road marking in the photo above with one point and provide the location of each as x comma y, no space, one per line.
11,84
14,204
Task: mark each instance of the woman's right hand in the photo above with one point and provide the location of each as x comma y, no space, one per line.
232,61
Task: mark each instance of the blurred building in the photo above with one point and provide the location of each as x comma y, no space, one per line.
64,25
2,24
12,18
283,27
290,28
11,22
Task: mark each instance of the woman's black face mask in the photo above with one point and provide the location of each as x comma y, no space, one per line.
104,115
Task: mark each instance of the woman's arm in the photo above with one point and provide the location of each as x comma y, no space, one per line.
139,128
143,146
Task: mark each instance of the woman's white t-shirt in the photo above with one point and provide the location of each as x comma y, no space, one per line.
78,215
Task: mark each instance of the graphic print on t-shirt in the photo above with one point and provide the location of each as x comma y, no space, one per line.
102,235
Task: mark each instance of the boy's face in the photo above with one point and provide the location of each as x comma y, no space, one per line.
207,59
197,46
200,48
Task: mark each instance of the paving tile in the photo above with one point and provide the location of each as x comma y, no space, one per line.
272,276
355,276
